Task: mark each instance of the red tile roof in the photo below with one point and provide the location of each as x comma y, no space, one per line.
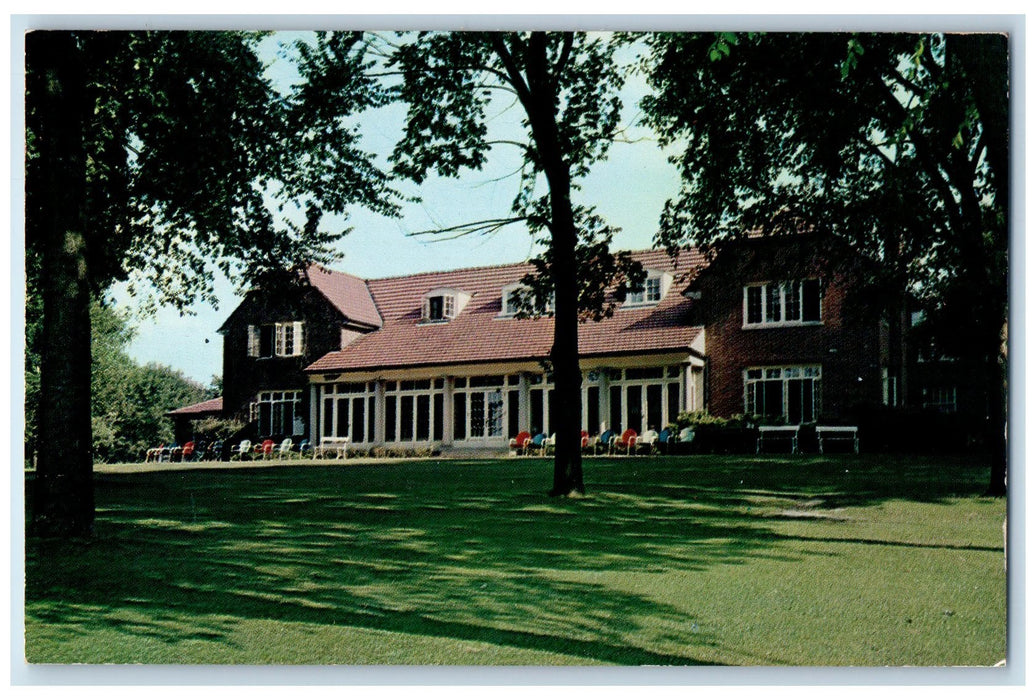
347,293
205,407
478,334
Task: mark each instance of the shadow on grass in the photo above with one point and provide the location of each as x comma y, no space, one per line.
465,551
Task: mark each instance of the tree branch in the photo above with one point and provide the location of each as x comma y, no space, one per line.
482,228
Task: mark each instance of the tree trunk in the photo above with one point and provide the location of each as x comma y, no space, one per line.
567,416
63,500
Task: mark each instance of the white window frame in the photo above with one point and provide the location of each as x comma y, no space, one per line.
777,300
295,397
284,331
784,374
652,291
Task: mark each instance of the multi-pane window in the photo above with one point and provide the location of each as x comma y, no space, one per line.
346,411
439,307
644,398
279,413
775,303
414,410
650,292
479,408
789,393
285,339
511,301
939,398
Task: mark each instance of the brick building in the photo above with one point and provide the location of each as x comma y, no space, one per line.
763,328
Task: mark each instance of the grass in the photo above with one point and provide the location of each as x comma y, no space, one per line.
859,561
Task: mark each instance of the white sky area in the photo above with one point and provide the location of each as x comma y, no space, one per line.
628,189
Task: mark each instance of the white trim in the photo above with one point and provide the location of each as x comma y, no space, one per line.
638,299
783,302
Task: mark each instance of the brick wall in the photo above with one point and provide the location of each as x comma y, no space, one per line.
244,376
846,346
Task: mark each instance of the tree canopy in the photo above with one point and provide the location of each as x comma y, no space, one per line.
159,154
896,143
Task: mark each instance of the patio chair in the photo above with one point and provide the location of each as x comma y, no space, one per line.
646,443
586,443
265,450
238,452
305,450
604,442
519,444
536,443
283,450
154,453
626,442
550,443
664,438
187,452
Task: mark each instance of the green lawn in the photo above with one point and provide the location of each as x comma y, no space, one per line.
694,560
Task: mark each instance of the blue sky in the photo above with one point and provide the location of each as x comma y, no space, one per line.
628,190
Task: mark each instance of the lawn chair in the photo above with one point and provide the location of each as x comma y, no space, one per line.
604,442
154,453
519,444
664,438
239,451
536,443
550,443
214,451
187,453
586,443
265,450
626,442
646,443
284,449
305,450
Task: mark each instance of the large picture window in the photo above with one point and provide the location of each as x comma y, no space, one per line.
789,393
782,303
279,413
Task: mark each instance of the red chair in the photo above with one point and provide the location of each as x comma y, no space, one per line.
187,454
627,441
520,442
265,450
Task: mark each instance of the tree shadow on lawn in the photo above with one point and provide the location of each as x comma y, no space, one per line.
466,551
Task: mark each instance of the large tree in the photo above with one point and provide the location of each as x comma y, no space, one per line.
158,153
565,89
896,143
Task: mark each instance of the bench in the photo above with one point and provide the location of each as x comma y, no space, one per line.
778,433
336,447
838,432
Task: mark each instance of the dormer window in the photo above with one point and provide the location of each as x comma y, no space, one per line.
511,297
655,286
440,308
441,305
509,301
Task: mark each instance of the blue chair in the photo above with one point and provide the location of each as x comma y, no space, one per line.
537,443
604,444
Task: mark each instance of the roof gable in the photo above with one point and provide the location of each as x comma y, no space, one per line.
348,294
